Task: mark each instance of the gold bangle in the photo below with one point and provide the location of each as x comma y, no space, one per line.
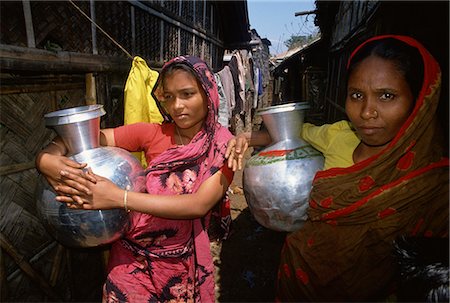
125,195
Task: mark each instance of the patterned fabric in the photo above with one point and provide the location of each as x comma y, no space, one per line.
344,251
163,260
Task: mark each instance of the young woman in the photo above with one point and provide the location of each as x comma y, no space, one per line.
385,175
165,256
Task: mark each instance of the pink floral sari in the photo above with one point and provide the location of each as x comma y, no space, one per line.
163,260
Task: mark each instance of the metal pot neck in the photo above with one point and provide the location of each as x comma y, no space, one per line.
284,122
79,127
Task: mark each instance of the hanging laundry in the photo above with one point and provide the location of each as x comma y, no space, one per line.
228,86
223,103
138,101
234,69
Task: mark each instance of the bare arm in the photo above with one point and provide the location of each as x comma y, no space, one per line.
238,145
106,195
52,160
107,137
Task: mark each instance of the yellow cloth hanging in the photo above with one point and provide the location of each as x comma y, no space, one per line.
138,101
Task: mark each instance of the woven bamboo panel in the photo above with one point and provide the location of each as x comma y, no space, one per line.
170,42
171,6
198,47
198,14
23,134
148,36
114,18
58,26
186,43
187,11
12,29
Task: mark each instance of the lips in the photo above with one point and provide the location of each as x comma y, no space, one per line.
181,116
369,130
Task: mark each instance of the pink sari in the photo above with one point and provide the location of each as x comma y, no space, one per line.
163,260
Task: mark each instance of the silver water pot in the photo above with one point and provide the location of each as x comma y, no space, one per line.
79,128
277,180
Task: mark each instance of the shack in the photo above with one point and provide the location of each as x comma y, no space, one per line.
316,72
60,54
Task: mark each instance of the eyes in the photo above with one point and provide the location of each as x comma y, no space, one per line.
184,95
383,96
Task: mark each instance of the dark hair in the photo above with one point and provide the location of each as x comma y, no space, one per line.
406,58
163,75
423,272
174,67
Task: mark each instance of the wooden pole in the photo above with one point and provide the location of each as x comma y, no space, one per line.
32,59
56,265
91,96
27,268
28,23
93,28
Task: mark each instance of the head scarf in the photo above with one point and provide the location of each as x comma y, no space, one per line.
344,250
202,143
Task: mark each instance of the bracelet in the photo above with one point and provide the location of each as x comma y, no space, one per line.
125,195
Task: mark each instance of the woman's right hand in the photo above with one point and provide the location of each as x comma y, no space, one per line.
238,145
51,165
236,149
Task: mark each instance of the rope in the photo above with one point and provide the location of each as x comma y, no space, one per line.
101,29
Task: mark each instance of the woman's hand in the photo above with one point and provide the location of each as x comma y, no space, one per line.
236,149
51,165
103,194
238,146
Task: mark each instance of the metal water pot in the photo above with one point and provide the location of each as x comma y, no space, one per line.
79,128
277,180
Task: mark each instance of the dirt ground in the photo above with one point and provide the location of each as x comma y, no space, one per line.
246,263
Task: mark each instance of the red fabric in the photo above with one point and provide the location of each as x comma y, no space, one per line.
130,137
149,137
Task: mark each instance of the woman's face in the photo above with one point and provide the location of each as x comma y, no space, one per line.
378,102
185,100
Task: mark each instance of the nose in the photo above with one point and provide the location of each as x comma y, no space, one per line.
178,104
369,110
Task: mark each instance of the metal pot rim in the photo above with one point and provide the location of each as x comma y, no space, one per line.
74,115
283,108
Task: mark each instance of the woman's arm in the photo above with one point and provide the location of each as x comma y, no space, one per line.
107,137
106,195
51,161
238,145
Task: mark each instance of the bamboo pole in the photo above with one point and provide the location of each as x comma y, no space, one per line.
26,267
56,265
36,88
91,96
28,23
31,59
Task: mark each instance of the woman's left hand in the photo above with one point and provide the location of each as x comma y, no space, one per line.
103,194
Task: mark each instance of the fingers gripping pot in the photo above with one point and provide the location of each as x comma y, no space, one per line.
277,180
79,128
